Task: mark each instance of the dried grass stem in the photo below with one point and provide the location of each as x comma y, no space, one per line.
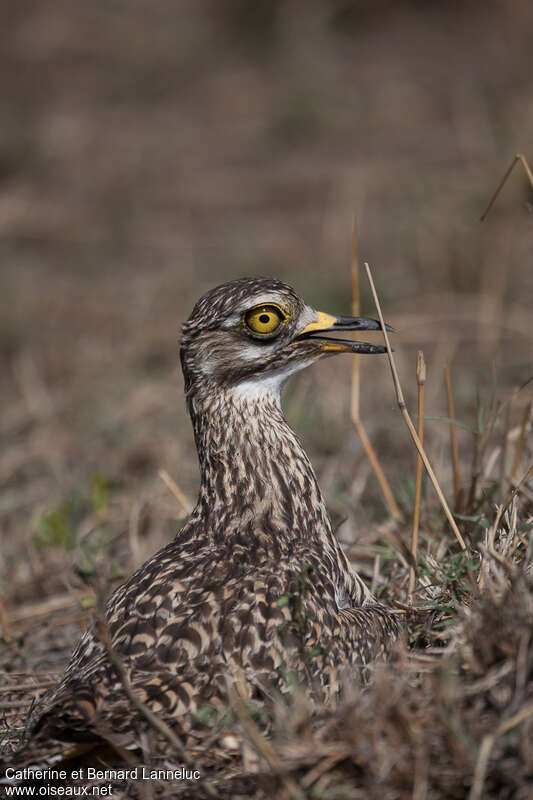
407,418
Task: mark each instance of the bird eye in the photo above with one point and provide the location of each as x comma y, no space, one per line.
264,320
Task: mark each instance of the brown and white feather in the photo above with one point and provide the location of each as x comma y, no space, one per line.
255,584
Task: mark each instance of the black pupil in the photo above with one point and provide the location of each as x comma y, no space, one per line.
264,318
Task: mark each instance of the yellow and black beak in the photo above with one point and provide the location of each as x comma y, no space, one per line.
327,323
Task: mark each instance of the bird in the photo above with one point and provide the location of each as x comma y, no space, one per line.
255,590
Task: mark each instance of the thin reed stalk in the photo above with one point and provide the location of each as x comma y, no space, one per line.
453,438
485,750
356,310
421,381
354,405
154,720
518,158
403,408
171,484
521,441
505,448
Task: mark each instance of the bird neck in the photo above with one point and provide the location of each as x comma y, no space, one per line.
256,480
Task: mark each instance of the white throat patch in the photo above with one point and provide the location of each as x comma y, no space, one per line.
268,385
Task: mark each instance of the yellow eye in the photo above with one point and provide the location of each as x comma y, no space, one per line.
264,320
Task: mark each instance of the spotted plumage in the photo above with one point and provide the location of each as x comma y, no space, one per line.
255,587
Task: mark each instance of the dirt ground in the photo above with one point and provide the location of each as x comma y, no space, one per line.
149,151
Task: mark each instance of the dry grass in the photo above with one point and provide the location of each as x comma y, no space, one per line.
151,161
451,716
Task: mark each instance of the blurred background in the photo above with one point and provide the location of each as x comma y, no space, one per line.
151,150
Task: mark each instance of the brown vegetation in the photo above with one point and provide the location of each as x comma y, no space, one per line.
150,151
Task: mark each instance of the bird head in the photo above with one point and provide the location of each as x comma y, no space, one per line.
255,332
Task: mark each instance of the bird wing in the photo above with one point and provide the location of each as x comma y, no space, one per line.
188,625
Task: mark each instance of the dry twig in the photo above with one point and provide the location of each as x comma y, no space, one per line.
354,410
421,381
154,721
407,418
262,745
518,157
521,441
476,792
453,437
182,499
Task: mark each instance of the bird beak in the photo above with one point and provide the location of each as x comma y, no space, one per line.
327,323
